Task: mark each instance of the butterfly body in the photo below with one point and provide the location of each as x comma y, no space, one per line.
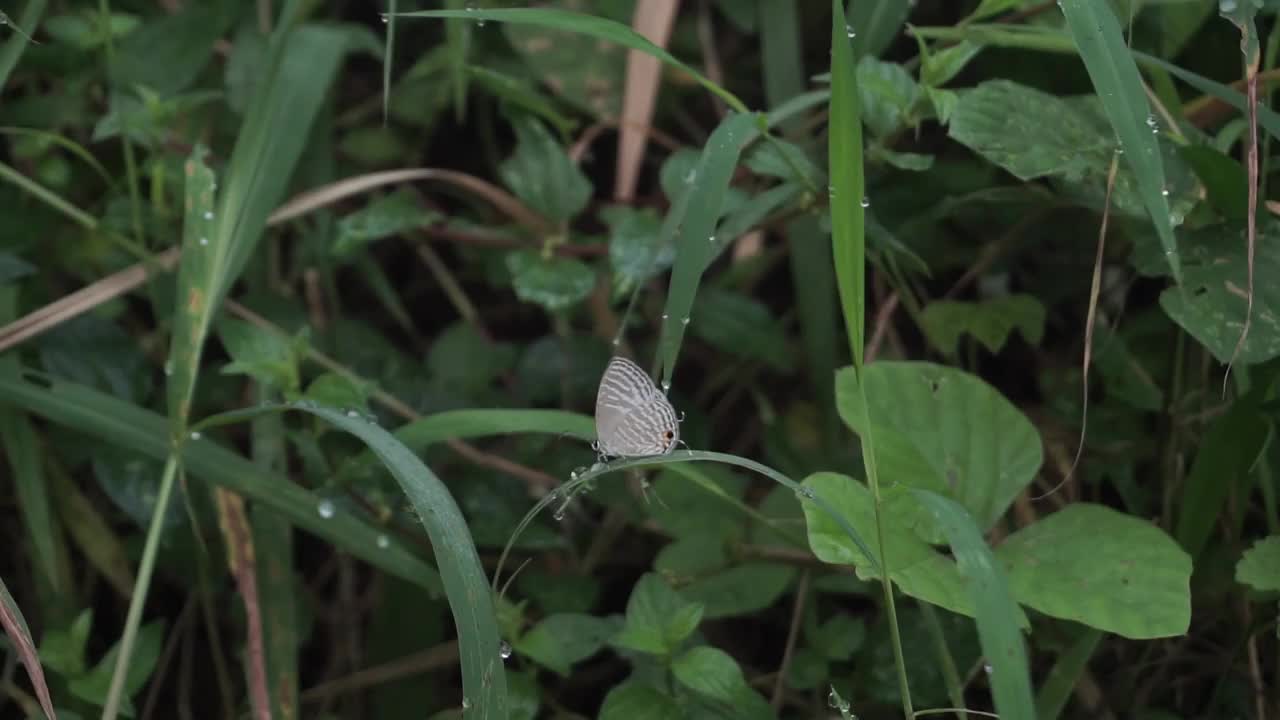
633,417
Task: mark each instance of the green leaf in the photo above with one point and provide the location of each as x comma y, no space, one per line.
989,321
555,283
839,637
389,215
132,484
63,650
915,567
634,701
1119,86
1226,182
874,24
1063,140
888,94
658,618
1060,684
541,174
995,609
704,509
1211,304
1227,454
92,687
710,671
559,641
740,590
18,41
556,56
1259,567
695,212
939,67
461,358
634,251
167,54
741,325
97,352
945,430
1123,373
337,390
263,355
1109,571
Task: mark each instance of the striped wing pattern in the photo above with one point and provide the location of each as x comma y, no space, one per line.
633,418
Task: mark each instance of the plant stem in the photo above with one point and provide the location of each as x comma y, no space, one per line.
140,587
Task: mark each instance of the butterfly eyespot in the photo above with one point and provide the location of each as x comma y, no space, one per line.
668,435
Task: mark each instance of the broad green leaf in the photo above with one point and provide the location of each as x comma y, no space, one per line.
555,283
559,641
1109,571
1212,301
634,701
15,627
873,24
600,28
704,509
1101,42
994,606
167,54
554,369
132,484
1226,183
1222,467
740,325
95,351
989,321
1123,374
461,358
634,251
839,637
63,649
336,390
740,590
541,173
1062,140
390,215
261,354
915,567
695,213
556,57
692,556
658,618
888,94
847,187
1259,567
470,599
710,671
945,430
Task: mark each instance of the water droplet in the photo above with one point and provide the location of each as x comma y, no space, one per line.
806,492
208,214
848,30
195,434
666,387
384,542
1151,121
665,316
597,466
987,668
168,368
1119,149
326,509
617,342
573,474
866,202
353,414
504,649
831,191
691,176
685,321
558,514
466,704
204,241
711,239
1165,192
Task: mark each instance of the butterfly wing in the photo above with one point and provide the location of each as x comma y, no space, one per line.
631,414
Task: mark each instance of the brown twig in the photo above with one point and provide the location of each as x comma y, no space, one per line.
438,657
883,316
1251,219
243,565
652,19
793,632
711,58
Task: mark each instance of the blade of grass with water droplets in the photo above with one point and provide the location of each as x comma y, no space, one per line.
994,608
597,27
1115,76
701,200
848,217
484,679
134,428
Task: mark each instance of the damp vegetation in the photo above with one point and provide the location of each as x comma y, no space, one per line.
955,328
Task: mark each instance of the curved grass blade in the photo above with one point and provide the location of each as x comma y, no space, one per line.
596,27
484,680
993,605
1061,681
1098,37
566,492
12,50
26,463
695,213
15,626
129,426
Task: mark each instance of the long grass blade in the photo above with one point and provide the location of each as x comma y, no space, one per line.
1065,675
1115,76
993,605
24,24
